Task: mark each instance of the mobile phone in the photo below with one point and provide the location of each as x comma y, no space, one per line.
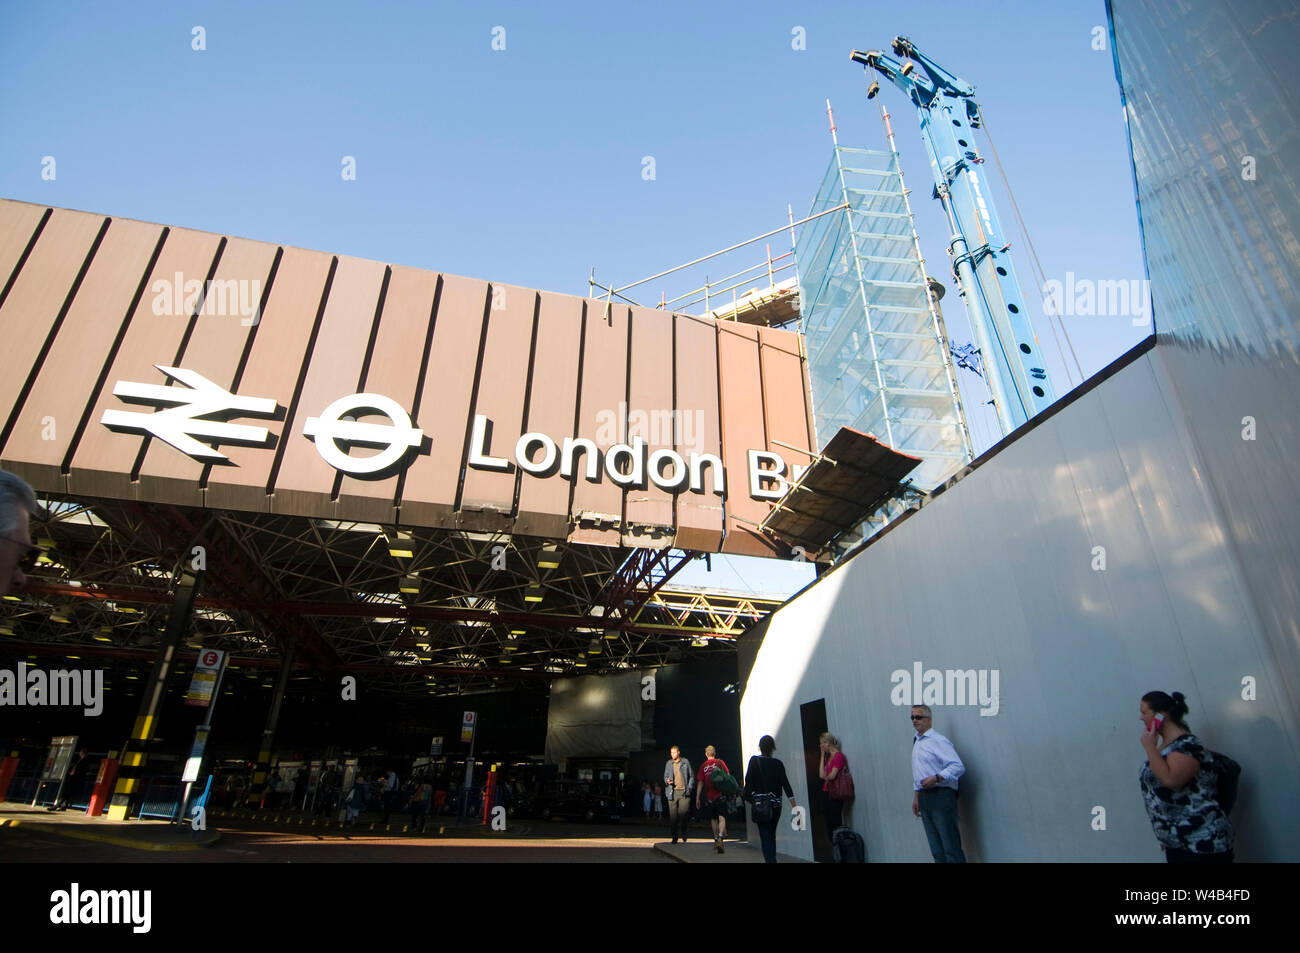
1156,722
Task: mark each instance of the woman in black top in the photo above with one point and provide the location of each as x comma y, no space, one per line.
764,781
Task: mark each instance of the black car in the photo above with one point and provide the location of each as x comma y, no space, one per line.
578,800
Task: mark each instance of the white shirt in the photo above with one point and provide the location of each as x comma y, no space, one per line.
933,754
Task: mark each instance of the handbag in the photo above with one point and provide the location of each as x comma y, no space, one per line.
841,786
766,805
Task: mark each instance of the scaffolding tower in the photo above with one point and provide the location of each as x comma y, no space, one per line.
877,349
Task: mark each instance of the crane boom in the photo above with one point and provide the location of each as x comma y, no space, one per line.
945,104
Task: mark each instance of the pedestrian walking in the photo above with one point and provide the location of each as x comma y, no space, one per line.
715,799
356,799
680,782
647,798
837,782
1180,785
388,798
935,770
421,798
765,779
659,802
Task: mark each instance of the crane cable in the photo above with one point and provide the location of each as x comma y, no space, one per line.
1033,252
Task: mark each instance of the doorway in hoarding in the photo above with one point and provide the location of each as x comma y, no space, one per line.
812,717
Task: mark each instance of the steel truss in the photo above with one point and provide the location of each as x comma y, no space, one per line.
407,609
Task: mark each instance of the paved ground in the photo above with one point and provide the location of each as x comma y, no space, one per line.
32,835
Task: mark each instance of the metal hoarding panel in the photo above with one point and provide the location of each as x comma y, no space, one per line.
394,370
104,460
304,480
552,404
598,507
279,352
652,415
430,487
699,515
214,349
46,423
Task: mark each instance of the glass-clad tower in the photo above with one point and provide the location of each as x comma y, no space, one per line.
877,352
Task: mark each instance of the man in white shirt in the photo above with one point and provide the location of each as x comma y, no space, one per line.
935,770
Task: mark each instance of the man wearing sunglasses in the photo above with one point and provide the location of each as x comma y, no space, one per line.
17,554
935,770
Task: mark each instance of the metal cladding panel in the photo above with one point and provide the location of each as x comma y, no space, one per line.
602,419
743,429
699,515
783,411
487,496
652,415
18,222
1066,628
46,423
552,404
214,349
279,352
330,327
304,481
103,462
37,296
445,415
394,370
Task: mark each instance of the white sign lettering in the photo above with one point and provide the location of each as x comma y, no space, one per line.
179,426
632,464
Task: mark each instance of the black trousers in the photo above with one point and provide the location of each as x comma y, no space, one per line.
834,811
679,815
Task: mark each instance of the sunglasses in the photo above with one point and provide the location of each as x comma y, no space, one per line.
919,717
27,561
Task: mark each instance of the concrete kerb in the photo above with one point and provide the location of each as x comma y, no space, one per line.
120,835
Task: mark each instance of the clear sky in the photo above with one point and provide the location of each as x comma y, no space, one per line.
525,164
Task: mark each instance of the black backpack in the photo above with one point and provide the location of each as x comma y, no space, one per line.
847,846
1229,773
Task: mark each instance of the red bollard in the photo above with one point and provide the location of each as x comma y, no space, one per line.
7,768
489,794
104,783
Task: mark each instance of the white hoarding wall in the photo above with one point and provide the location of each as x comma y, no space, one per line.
1083,565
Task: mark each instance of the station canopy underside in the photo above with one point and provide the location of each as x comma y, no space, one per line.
417,610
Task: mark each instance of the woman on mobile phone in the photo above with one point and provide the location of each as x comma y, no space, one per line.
1179,785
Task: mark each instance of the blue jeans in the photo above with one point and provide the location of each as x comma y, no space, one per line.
939,815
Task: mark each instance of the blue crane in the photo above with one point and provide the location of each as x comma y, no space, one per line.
981,265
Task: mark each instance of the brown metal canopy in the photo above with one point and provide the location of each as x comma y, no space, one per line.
848,481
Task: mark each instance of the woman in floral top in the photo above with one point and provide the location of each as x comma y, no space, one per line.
1180,785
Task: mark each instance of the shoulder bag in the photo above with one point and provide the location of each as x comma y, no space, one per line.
841,786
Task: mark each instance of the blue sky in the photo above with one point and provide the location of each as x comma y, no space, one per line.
524,165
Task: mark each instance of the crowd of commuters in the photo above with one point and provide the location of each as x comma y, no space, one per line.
1188,789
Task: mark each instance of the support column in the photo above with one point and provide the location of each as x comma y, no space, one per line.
263,767
131,770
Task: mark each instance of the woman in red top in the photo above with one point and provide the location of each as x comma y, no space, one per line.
832,763
717,808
